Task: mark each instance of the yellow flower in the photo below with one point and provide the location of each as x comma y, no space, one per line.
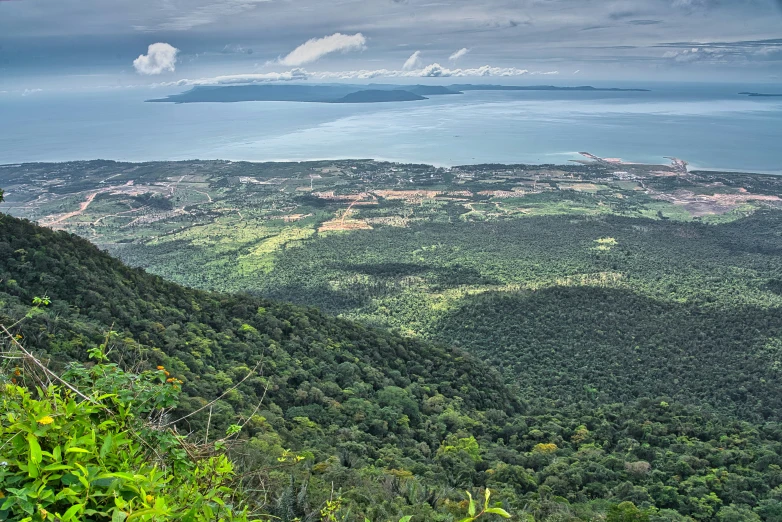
45,420
150,499
161,368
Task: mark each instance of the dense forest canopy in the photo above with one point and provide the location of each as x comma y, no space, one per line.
546,270
585,366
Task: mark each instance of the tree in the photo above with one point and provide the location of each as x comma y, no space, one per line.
737,513
626,512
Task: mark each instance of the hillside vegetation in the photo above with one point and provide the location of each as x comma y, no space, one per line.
392,425
547,271
578,309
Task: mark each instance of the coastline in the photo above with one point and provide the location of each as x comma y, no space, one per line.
691,166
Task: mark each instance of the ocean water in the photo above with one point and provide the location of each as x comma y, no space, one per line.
710,126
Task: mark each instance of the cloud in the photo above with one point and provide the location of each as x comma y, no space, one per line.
28,92
553,36
243,79
160,57
690,55
434,70
768,50
362,74
431,71
458,54
236,49
316,48
413,62
722,52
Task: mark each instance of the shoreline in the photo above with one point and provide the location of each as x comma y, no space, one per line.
691,166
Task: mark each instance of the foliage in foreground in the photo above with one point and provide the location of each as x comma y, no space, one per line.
107,454
103,454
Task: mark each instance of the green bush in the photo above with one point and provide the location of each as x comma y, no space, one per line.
105,453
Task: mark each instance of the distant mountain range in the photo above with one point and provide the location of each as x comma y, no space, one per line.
376,93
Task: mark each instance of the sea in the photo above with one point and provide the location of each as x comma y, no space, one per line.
711,126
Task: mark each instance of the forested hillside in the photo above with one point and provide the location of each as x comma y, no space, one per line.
580,282
606,309
388,424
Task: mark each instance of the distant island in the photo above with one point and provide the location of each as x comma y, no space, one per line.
469,87
379,96
376,93
431,90
759,94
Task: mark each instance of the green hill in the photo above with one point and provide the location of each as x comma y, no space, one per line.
683,310
388,424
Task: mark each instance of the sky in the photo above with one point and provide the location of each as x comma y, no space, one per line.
89,44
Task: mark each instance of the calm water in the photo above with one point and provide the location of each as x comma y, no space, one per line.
709,126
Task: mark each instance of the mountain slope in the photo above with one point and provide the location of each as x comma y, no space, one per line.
206,328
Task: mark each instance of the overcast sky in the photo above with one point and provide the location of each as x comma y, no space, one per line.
107,42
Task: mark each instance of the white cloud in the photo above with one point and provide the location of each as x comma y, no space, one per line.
723,52
239,79
316,48
160,57
438,71
458,54
414,62
682,56
434,70
696,54
430,71
28,92
362,74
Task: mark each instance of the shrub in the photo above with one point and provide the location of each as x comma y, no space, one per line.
96,448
